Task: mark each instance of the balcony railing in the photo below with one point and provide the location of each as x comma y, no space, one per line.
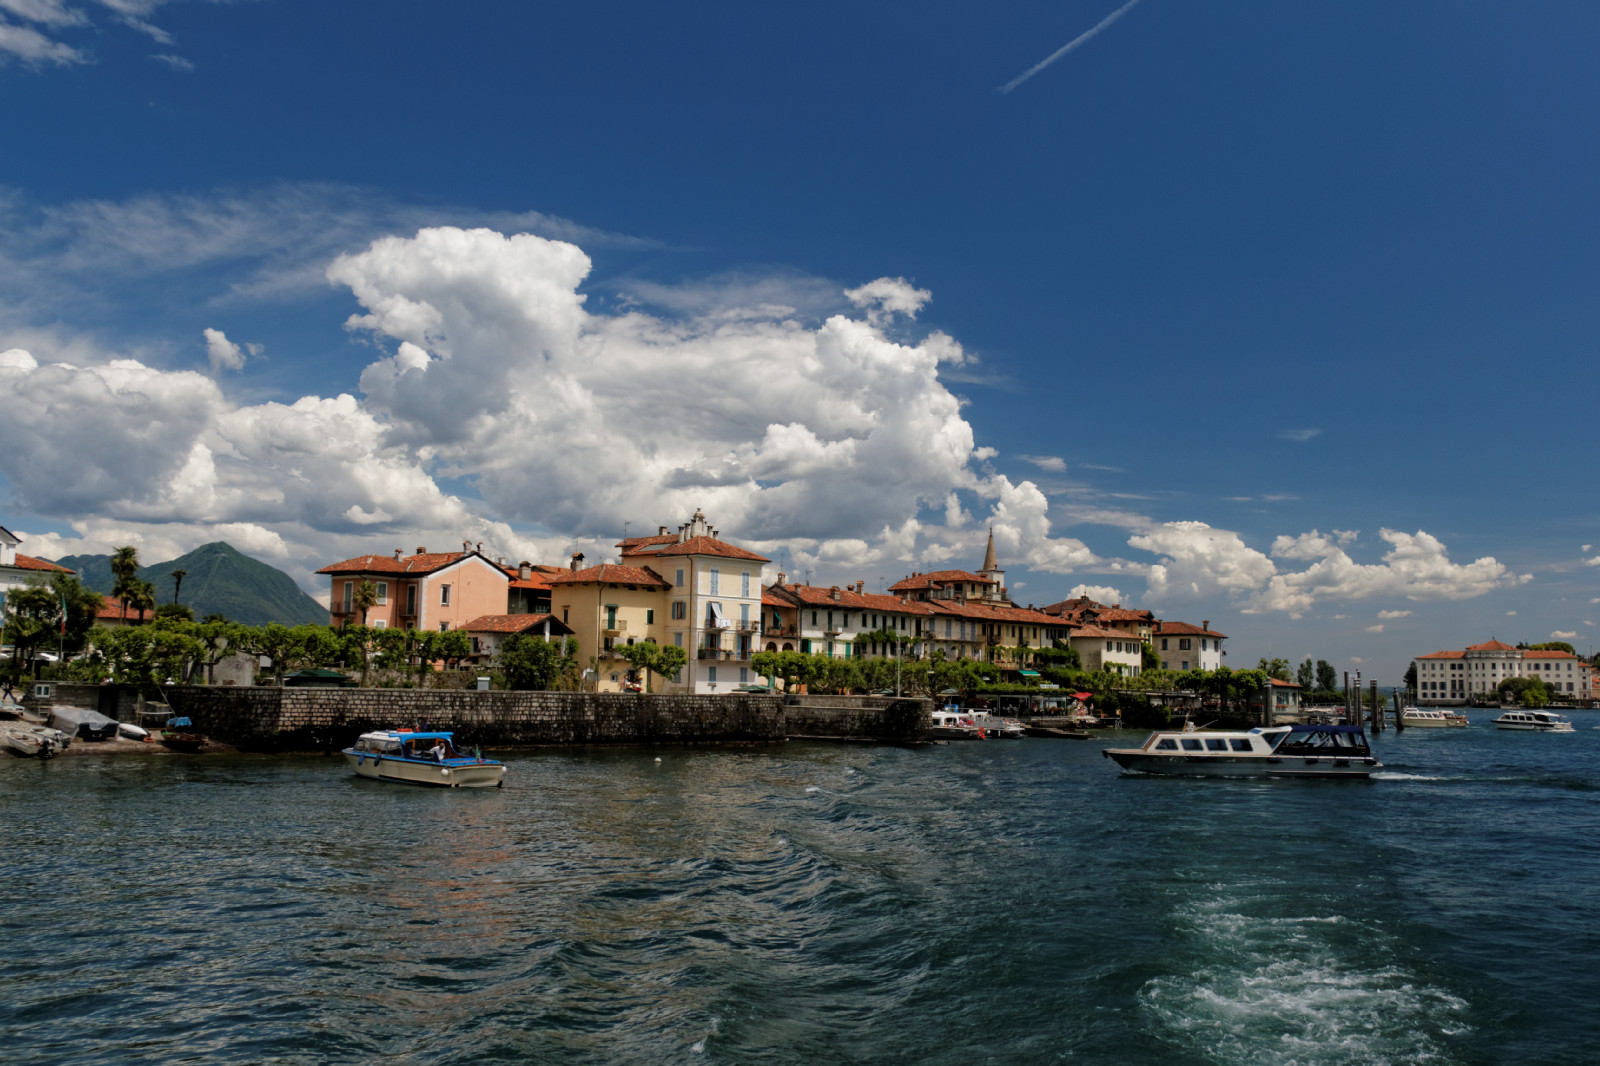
721,655
621,627
750,626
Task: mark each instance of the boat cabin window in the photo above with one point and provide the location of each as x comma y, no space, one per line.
1191,744
1240,743
1167,745
1217,744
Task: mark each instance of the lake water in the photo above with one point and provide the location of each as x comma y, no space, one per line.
993,902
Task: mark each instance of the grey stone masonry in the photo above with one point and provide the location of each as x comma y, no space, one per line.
274,719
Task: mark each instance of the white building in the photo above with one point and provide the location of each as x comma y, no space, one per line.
18,570
713,604
1108,649
1457,677
1187,647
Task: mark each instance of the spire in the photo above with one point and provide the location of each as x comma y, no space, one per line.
988,556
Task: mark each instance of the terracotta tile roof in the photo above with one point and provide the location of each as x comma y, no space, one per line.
540,582
1123,614
938,579
111,608
1101,634
702,546
611,574
1493,645
850,600
629,544
426,563
1444,655
1077,603
1547,654
1184,629
515,623
1282,684
28,562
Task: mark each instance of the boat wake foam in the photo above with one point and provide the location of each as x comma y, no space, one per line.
1296,989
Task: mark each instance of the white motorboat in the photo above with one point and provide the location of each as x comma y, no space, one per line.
1004,728
1271,751
28,743
132,732
1534,721
415,757
952,723
1417,718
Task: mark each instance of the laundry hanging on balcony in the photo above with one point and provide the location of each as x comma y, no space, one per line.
717,621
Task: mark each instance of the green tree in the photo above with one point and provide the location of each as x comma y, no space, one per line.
1149,658
177,585
175,611
141,597
1306,675
533,663
1275,668
641,656
670,659
1327,676
365,598
452,646
146,656
34,621
124,574
1410,678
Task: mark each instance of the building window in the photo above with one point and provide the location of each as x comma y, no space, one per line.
744,675
744,614
383,593
679,582
711,674
716,581
380,623
677,638
444,595
349,592
649,617
444,627
680,609
564,616
1163,643
1185,664
1183,644
411,599
744,583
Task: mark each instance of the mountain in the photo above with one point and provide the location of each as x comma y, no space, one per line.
218,580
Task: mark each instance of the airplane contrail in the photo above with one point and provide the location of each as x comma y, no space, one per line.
1069,46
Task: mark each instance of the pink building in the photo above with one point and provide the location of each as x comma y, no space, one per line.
426,590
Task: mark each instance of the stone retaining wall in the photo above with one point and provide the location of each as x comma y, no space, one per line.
310,719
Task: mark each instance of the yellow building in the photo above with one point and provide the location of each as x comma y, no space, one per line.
607,607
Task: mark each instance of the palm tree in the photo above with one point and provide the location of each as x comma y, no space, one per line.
142,598
365,598
177,583
124,573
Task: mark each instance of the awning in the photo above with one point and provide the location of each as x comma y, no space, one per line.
1083,695
1028,673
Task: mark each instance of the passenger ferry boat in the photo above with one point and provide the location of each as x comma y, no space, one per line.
1537,721
952,723
1417,718
421,758
1266,751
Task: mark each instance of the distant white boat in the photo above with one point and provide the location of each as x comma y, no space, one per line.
421,758
1534,721
26,742
1417,718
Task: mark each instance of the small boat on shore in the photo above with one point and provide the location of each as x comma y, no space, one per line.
1269,751
175,735
1534,721
83,723
30,743
1417,718
415,757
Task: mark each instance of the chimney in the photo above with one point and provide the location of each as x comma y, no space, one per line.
661,531
421,550
480,546
835,591
577,561
524,570
397,552
1206,625
783,579
466,545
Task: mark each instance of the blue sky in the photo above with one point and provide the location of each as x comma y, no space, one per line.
1192,316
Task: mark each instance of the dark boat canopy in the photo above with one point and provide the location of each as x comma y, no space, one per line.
1297,728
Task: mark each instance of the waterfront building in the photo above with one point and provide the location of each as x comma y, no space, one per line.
488,631
1187,647
18,570
1452,678
1108,649
423,591
607,607
713,600
844,623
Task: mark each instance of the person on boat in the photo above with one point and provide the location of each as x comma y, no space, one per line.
437,751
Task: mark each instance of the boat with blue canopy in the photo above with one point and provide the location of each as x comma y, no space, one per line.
1266,751
420,757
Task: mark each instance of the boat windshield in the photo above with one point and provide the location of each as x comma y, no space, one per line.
1330,740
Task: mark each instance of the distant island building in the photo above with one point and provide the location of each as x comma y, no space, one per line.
1452,678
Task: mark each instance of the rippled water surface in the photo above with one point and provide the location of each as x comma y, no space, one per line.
1003,901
